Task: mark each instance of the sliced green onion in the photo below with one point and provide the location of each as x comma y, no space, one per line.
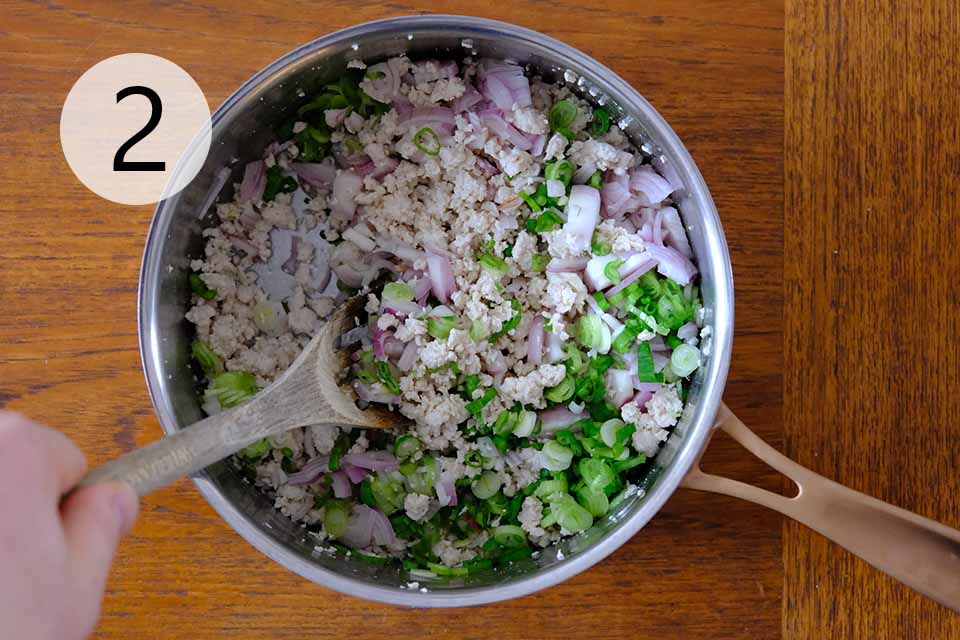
367,377
320,136
602,301
406,446
526,423
567,439
388,493
476,405
612,270
470,384
200,288
540,195
473,459
596,502
441,326
555,456
594,333
623,434
596,473
443,570
645,366
498,504
562,115
624,340
478,564
209,361
608,431
600,123
561,170
427,141
385,374
336,514
629,463
574,359
562,392
423,478
510,536
685,360
340,448
397,292
233,387
547,488
486,484
257,450
505,423
538,263
570,515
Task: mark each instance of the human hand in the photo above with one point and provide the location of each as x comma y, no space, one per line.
54,558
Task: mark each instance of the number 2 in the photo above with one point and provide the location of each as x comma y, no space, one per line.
156,108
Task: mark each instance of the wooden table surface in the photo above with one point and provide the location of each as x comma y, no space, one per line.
829,133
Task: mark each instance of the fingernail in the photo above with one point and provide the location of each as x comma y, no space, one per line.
125,506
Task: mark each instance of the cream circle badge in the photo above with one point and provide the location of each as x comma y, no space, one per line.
135,128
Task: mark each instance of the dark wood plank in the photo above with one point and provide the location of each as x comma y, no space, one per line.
872,365
68,349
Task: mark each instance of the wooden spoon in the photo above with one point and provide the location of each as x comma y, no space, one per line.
306,394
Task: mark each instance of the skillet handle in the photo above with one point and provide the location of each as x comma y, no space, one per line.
921,553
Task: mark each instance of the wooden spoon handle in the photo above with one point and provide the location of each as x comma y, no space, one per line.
181,454
919,552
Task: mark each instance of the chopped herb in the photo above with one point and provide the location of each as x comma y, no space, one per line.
257,450
546,221
538,263
440,327
493,264
277,182
536,208
200,288
596,180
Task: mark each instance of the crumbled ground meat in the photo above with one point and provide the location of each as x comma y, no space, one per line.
277,267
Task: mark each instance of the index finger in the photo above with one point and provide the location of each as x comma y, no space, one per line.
39,454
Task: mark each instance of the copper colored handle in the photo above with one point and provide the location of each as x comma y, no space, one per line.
921,553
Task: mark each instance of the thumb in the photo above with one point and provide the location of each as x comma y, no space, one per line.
94,520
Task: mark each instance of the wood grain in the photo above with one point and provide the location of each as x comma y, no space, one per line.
706,567
871,323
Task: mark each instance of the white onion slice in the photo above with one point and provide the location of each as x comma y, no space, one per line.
535,339
583,214
619,386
